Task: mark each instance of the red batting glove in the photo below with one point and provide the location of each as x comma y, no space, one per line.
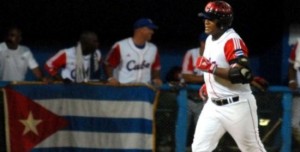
205,65
203,93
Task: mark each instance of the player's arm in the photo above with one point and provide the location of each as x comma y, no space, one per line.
33,65
112,60
236,55
237,73
155,71
55,63
293,84
292,77
191,78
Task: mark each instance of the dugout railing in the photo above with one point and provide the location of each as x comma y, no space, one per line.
274,111
274,107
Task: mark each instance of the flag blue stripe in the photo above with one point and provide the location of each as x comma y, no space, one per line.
98,124
71,149
81,91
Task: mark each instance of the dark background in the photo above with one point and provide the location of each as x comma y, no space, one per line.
58,22
49,25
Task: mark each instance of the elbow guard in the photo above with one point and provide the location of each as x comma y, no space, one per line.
240,75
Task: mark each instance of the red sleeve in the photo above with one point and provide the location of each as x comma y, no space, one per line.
187,64
234,48
114,56
53,65
156,64
293,52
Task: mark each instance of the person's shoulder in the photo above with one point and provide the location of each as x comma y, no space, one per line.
123,40
24,48
3,46
151,44
68,49
232,33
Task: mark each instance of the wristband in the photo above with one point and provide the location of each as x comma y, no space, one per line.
292,81
110,78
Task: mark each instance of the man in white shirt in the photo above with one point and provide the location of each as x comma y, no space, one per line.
15,59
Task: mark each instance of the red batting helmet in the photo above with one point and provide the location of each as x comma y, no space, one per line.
219,10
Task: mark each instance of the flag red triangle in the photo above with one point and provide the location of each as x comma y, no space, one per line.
29,123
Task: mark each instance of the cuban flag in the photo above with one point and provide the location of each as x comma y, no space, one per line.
77,118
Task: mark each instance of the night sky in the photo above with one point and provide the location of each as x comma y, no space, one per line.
59,22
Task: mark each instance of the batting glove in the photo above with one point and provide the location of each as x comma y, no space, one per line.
205,65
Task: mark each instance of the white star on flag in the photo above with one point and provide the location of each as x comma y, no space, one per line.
30,124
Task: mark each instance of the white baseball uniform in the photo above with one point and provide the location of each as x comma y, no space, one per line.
239,116
132,64
65,60
15,63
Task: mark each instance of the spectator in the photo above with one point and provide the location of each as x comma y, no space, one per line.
294,85
78,63
15,59
192,75
135,59
231,106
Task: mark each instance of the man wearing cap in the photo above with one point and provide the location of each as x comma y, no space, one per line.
135,59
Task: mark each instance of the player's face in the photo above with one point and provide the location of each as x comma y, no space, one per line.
14,37
90,44
211,28
147,32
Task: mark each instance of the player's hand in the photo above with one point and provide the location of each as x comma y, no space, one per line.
112,81
205,65
203,93
157,82
293,85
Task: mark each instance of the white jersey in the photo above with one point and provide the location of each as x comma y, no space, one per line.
132,64
189,62
65,60
229,46
15,63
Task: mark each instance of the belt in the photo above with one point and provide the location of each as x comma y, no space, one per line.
221,102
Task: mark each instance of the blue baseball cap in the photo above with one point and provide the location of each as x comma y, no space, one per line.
144,22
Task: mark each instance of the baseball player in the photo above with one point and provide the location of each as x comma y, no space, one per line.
135,59
78,63
231,106
294,85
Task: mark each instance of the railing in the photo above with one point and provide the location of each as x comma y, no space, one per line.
181,121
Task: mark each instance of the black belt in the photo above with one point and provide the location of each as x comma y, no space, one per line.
221,102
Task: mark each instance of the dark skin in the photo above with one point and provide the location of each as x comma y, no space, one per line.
12,40
89,44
